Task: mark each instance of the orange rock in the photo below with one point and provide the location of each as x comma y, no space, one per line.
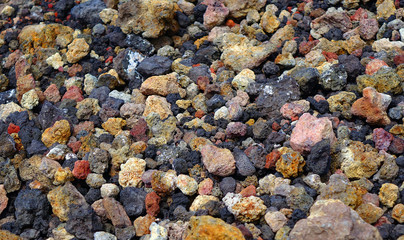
210,228
374,66
372,106
58,133
114,125
291,163
248,191
142,225
272,158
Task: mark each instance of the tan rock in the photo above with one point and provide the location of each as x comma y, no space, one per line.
58,133
218,161
131,172
158,105
62,197
77,50
162,85
150,17
388,194
275,220
338,221
398,213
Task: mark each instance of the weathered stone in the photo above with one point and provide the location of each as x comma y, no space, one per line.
151,18
359,160
207,227
290,163
240,53
58,133
338,221
218,161
131,172
372,106
62,197
77,50
310,130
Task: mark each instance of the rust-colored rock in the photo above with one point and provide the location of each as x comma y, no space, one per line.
210,228
152,202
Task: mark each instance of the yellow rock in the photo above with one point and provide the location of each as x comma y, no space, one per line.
114,125
210,228
77,50
58,133
388,194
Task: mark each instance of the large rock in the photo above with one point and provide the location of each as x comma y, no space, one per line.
332,219
218,161
240,8
88,12
331,19
62,197
372,106
310,130
272,96
210,228
152,18
162,85
239,52
32,37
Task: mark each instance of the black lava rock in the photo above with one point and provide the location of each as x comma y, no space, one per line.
274,95
228,184
206,55
83,222
29,134
36,147
88,12
352,65
244,166
199,71
154,66
49,114
270,68
278,201
93,195
215,102
133,200
62,7
319,159
334,34
180,165
32,209
321,106
183,20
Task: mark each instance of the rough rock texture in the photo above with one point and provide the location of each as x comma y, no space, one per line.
372,106
239,52
218,161
310,130
207,227
150,18
338,221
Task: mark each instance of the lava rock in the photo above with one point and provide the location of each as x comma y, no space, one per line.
133,200
319,159
83,222
154,66
88,12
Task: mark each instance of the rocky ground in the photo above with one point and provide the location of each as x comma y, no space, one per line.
214,119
